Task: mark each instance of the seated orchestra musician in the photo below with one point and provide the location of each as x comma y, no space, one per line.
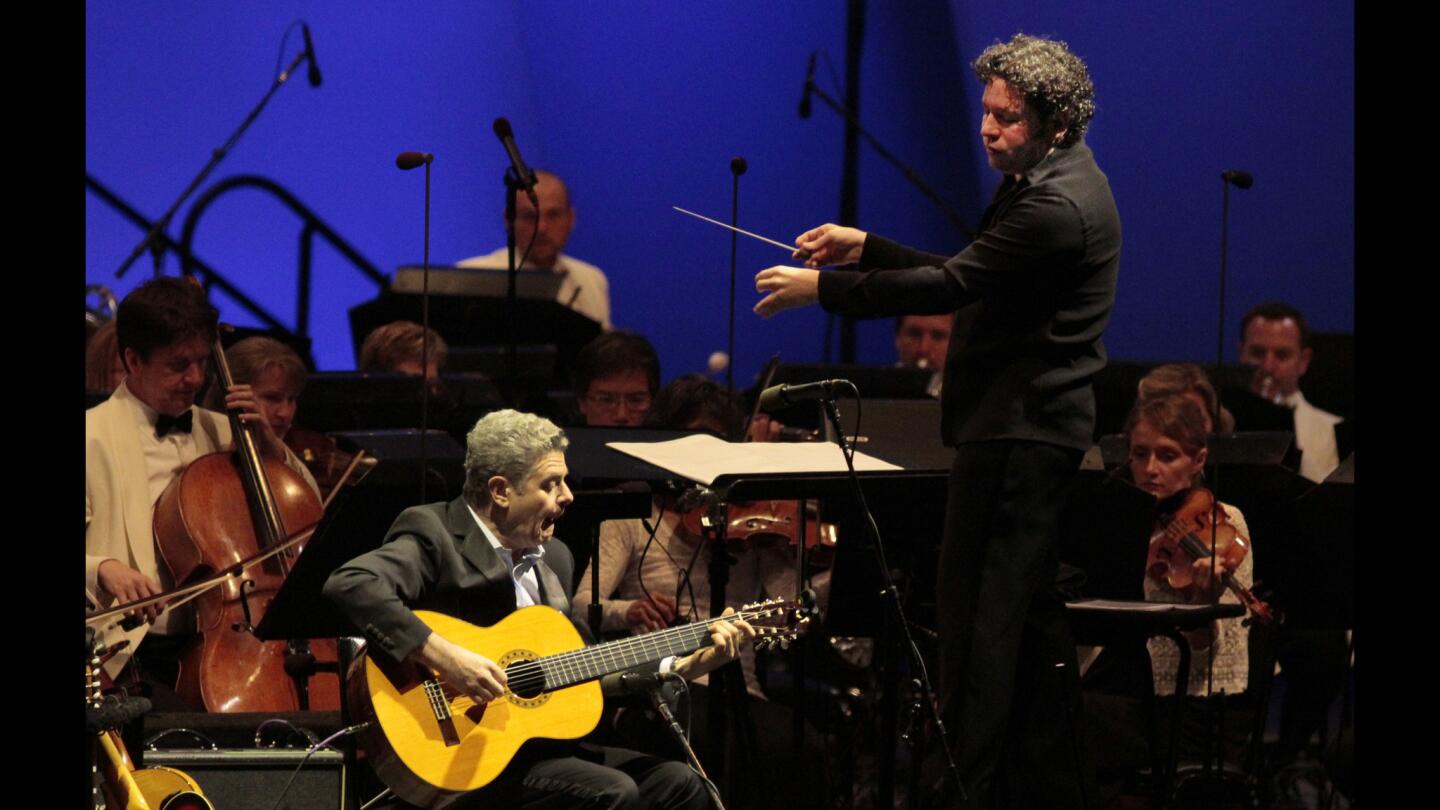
399,347
1191,381
277,374
104,369
583,286
136,443
656,573
481,557
1166,435
616,377
923,341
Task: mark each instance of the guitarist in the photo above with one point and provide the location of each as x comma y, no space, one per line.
481,557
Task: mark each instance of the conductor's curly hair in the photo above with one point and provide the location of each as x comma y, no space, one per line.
1054,81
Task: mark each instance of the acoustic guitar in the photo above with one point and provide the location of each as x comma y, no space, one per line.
428,742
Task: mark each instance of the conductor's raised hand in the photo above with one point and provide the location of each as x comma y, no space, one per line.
787,287
829,244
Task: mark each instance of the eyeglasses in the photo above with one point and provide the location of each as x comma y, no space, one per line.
634,402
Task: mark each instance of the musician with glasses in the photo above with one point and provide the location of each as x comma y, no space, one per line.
616,377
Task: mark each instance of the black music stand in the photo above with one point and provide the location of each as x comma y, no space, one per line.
1098,621
466,320
349,528
354,400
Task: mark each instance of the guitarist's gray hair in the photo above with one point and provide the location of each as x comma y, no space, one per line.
507,443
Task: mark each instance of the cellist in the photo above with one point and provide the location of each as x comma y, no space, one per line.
140,439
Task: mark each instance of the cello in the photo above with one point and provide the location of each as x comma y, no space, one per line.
224,508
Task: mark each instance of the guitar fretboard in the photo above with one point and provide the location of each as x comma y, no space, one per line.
597,661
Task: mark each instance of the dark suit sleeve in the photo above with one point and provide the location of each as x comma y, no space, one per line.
374,589
1038,232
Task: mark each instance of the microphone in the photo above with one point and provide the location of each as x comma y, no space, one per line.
640,683
738,166
523,174
1241,179
310,56
114,712
410,160
778,396
809,83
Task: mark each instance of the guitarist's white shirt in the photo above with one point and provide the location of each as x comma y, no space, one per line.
522,571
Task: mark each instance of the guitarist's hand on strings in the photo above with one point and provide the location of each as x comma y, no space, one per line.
466,671
727,640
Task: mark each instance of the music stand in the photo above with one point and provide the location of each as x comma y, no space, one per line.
350,527
743,486
352,400
465,320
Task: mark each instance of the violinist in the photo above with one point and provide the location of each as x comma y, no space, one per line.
140,439
648,579
1166,436
655,573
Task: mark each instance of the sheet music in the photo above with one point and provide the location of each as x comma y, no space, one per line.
704,458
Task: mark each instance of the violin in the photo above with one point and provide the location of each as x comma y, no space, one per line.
322,456
763,524
1186,536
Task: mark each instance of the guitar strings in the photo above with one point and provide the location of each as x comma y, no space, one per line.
525,672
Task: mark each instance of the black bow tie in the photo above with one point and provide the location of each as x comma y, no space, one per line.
164,424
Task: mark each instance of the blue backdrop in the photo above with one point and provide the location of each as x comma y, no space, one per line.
641,105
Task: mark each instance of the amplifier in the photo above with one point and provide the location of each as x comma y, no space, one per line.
252,778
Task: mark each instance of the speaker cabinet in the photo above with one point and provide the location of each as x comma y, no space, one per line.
251,779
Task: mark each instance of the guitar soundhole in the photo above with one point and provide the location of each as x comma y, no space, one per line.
527,686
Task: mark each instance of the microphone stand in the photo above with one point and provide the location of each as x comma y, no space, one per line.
663,707
891,593
510,390
425,341
151,240
910,174
1213,757
737,168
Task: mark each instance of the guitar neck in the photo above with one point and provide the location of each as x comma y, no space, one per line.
589,663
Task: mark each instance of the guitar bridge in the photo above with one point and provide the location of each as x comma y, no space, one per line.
440,706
